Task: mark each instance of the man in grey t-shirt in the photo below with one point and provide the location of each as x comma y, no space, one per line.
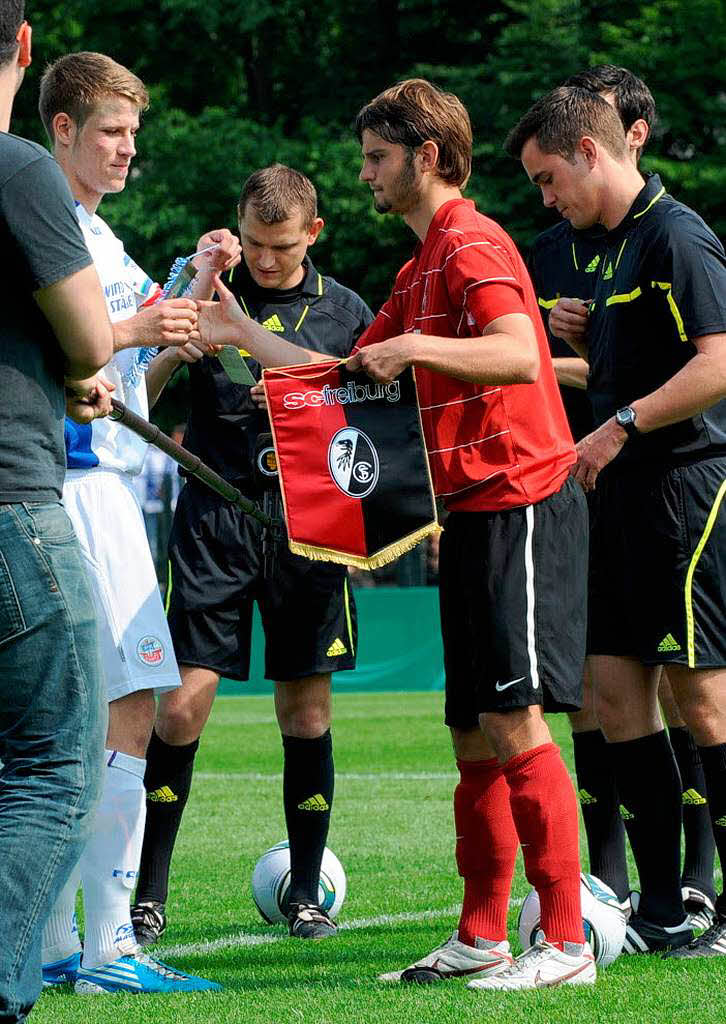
54,334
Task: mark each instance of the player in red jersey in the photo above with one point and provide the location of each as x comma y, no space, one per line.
513,555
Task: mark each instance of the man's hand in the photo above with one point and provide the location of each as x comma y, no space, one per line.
596,451
257,394
87,400
568,320
220,323
168,322
193,351
224,323
385,360
227,254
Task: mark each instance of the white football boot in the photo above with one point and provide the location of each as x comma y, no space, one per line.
700,910
542,966
454,959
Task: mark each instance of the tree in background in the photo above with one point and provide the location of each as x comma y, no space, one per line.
236,85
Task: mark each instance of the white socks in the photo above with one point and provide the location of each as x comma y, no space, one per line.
60,935
108,869
110,861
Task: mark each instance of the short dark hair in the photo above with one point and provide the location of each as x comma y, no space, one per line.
562,117
12,16
633,99
416,111
276,192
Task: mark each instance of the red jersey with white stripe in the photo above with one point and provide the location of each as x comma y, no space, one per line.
490,447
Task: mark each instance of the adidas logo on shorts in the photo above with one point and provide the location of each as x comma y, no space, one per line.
669,643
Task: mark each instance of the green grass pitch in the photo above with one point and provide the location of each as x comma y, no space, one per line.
392,829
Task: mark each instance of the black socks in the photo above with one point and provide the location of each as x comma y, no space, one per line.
714,769
168,780
598,795
307,793
650,795
699,847
307,788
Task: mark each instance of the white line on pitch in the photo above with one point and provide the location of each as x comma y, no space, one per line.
247,939
340,776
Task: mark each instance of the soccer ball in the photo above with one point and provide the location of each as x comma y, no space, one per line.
271,881
602,917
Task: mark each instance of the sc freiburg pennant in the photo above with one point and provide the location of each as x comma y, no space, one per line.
354,475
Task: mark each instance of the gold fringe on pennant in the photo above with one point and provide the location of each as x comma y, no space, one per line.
382,557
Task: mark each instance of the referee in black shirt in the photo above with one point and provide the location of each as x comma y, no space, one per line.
565,263
656,346
217,566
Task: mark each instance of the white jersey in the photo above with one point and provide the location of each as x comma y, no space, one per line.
103,442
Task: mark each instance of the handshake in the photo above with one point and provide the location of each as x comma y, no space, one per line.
172,324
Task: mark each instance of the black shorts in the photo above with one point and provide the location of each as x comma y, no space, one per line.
216,573
513,590
658,564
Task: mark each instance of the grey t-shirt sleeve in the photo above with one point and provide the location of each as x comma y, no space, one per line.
37,205
366,319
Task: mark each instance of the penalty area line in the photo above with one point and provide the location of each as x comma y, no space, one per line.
242,939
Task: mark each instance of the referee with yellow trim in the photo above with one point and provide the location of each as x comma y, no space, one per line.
564,261
656,346
217,568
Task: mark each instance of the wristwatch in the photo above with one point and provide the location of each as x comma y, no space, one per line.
626,418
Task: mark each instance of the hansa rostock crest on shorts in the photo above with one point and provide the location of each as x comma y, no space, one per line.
354,475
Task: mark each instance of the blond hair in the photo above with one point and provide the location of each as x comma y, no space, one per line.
76,83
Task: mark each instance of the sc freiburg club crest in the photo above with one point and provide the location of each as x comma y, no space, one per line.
353,462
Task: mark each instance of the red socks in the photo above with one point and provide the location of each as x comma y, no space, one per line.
544,808
486,849
529,801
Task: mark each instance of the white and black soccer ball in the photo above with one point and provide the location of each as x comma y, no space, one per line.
271,882
602,917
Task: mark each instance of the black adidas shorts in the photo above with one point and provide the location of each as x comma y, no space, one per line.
658,564
216,573
513,591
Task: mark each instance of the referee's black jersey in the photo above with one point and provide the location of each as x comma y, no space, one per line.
565,262
661,283
318,314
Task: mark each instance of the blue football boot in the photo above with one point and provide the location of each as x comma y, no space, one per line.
139,972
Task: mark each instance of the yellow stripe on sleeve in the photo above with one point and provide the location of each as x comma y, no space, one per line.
667,287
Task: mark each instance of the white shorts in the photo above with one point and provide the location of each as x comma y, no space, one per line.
135,644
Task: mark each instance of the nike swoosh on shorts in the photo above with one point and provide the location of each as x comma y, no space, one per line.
505,686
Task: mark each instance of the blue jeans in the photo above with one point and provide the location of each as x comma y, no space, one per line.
52,731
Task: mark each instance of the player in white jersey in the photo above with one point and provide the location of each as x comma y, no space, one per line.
91,107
